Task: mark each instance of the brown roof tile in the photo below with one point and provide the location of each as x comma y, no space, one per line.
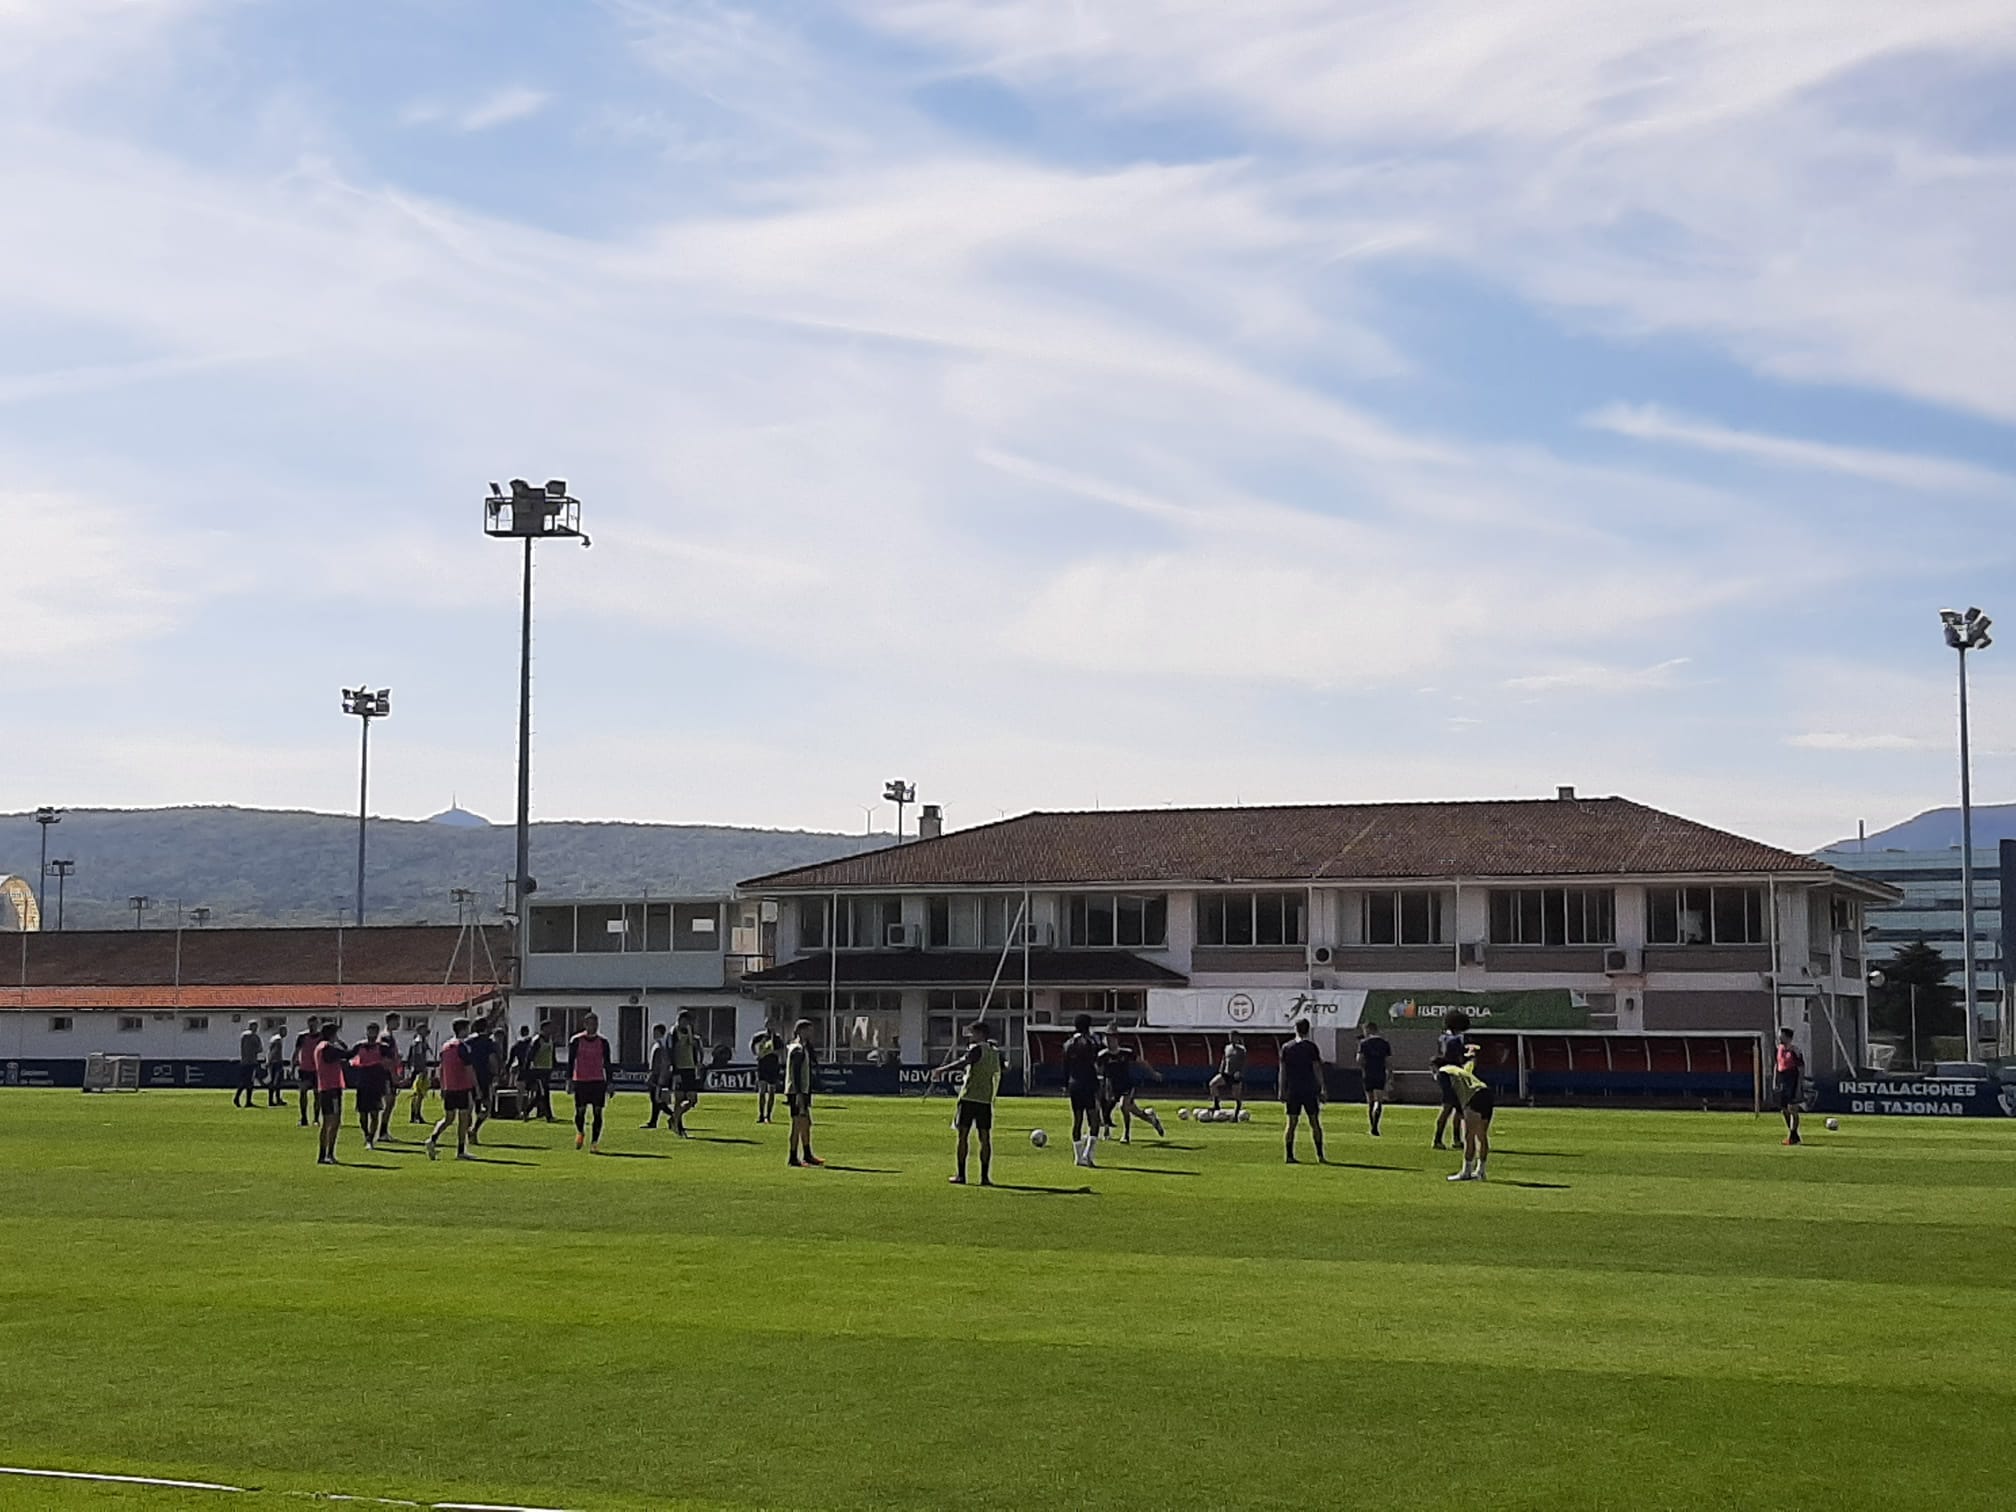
415,954
1305,843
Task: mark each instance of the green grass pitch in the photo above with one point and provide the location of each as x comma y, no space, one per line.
1641,1310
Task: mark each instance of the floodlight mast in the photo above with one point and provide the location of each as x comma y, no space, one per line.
530,514
900,793
367,706
1964,633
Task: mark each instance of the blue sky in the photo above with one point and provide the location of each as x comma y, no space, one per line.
1054,403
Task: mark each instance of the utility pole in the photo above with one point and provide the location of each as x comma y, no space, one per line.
367,706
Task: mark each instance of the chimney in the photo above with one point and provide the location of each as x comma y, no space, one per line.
1565,794
930,822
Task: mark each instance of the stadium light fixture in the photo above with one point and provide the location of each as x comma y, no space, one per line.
529,514
367,705
139,903
899,793
1964,633
45,816
60,869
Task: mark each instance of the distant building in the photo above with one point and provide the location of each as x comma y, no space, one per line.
1930,910
639,961
181,998
1587,915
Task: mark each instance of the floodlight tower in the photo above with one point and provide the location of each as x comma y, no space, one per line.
367,706
529,514
900,793
60,869
45,816
1964,633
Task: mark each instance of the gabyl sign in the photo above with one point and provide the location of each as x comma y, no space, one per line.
1545,1008
1904,1097
1253,1008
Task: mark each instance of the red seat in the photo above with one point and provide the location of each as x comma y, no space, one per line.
1588,1055
1630,1054
1669,1056
1545,1053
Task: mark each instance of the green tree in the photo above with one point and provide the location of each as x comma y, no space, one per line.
1918,971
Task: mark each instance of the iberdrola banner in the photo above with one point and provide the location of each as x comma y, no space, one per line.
1544,1008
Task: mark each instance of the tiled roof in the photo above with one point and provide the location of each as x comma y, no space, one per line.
412,955
969,968
298,997
1560,837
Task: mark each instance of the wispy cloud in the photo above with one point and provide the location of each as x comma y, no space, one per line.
1649,422
1593,677
1859,740
501,107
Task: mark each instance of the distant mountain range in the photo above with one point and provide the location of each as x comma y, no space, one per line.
258,866
1939,829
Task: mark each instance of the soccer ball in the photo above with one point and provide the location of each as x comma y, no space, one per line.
1245,1116
1833,1123
1038,1138
1210,1115
1182,1112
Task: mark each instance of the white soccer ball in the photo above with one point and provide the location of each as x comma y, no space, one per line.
1833,1123
1038,1138
1245,1115
1210,1115
1182,1112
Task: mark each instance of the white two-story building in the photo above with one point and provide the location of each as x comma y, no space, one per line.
1571,913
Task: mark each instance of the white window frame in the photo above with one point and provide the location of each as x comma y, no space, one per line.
1437,916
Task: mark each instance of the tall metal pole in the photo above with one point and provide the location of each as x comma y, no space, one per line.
523,883
363,788
1967,862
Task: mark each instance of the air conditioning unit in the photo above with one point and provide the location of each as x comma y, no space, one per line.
905,937
1322,955
1035,935
1319,984
1471,953
1623,961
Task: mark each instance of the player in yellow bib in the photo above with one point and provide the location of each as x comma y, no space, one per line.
1478,1102
979,1083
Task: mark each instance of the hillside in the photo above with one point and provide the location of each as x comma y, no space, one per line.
254,866
1939,829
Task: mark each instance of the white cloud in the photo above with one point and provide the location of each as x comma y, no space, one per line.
1859,740
1593,677
500,107
1649,422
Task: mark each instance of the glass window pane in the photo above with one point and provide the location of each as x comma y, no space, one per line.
696,926
1693,915
1531,929
1381,918
1238,918
812,923
938,922
1155,921
1099,919
1414,917
1504,918
658,926
1210,918
592,932
1295,912
552,929
1270,918
1662,916
1128,921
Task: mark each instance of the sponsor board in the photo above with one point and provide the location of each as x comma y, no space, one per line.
1914,1097
1253,1008
1542,1008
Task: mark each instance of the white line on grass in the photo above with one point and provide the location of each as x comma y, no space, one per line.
334,1496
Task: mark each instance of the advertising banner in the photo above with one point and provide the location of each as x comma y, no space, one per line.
1914,1097
1252,1008
1542,1008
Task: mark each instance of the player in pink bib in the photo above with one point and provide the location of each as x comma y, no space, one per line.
588,1061
458,1093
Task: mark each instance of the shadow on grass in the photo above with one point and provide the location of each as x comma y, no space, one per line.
1536,1186
630,1155
1045,1191
723,1139
1361,1165
491,1144
364,1165
491,1160
1149,1171
1537,1154
863,1170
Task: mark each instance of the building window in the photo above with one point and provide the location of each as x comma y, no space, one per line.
946,1015
971,921
559,1025
1405,917
552,931
1554,916
865,922
602,929
1130,921
60,1024
1267,918
696,926
1705,916
869,1025
196,1023
129,1023
812,916
1111,1005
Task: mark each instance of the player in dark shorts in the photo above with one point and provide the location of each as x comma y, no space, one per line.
330,1054
369,1083
251,1051
769,1052
687,1052
798,1093
1081,1084
304,1064
482,1052
589,1061
1374,1051
1791,1074
1479,1102
1231,1078
1302,1087
1116,1067
458,1090
1448,1050
979,1082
